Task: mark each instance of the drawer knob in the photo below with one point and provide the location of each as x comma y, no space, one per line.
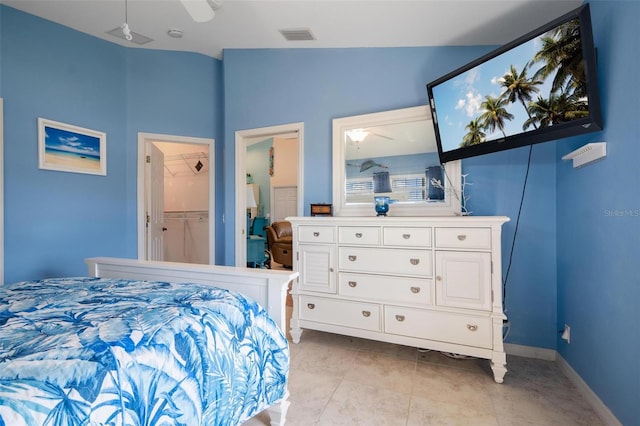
330,269
406,236
414,261
352,257
438,278
311,305
472,327
316,234
415,290
462,237
400,318
352,283
366,314
358,234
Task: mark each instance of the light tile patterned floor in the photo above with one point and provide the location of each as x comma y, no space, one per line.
340,380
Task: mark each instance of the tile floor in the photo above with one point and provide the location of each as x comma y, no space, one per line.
340,380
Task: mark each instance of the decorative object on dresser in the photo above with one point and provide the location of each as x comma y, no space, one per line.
321,209
381,205
429,282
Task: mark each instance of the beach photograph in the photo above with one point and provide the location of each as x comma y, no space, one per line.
68,148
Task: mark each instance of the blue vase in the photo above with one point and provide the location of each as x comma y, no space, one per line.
381,205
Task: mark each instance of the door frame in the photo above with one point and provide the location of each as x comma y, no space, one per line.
243,139
147,138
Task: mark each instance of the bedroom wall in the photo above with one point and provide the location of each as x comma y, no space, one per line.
174,93
599,226
53,220
317,85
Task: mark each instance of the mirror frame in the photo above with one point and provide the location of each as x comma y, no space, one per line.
451,205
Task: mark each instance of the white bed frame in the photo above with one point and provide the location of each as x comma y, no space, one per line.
265,286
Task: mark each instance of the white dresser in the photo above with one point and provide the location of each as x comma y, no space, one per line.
429,282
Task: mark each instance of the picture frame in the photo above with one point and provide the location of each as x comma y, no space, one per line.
68,148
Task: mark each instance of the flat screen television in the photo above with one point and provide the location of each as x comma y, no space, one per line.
540,87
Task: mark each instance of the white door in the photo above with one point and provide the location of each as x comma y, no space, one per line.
463,279
284,202
316,266
155,203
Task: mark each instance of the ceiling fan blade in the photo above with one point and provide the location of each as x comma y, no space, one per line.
200,10
383,136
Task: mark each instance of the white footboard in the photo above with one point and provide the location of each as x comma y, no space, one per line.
267,287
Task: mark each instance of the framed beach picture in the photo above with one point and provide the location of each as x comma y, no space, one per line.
68,148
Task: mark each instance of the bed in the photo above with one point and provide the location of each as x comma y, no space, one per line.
144,350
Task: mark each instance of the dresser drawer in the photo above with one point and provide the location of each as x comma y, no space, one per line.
364,235
365,316
468,330
317,234
416,263
406,237
386,289
464,238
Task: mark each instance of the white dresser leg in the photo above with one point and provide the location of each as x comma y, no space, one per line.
499,370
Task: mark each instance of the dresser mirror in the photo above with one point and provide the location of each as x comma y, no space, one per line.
392,154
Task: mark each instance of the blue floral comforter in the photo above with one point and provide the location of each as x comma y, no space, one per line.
92,351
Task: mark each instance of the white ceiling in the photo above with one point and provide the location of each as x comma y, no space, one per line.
242,24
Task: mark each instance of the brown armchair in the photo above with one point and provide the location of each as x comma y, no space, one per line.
279,242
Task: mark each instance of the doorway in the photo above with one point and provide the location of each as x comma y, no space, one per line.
176,199
294,133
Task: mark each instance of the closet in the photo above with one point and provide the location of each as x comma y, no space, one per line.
186,201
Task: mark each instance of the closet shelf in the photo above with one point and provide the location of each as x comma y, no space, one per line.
190,164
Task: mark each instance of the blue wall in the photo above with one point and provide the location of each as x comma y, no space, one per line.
599,226
173,93
53,220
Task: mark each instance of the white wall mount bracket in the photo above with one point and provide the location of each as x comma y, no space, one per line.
587,154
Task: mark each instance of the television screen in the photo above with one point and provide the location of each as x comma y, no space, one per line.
540,87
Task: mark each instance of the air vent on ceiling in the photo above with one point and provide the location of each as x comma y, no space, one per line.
301,34
137,38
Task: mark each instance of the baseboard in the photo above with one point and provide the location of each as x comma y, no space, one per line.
551,355
596,403
530,352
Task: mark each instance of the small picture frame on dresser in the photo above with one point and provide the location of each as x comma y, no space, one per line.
321,209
